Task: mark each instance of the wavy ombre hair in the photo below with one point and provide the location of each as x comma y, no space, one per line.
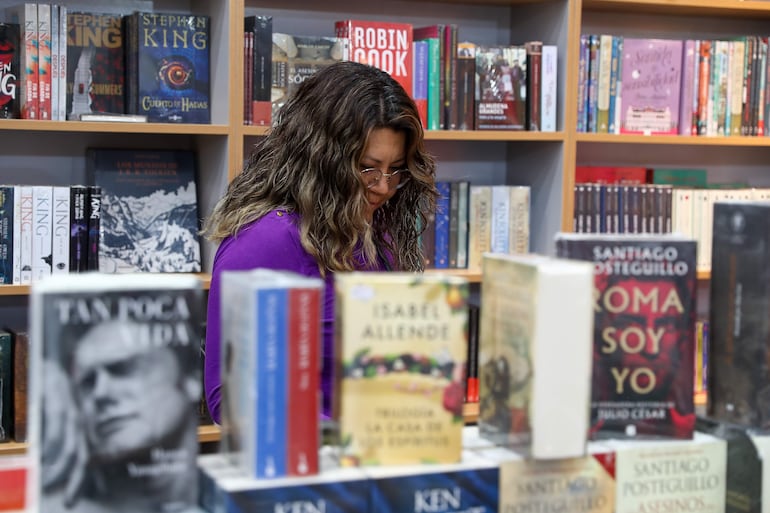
309,163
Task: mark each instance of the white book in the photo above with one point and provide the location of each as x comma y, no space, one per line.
501,215
462,226
60,240
115,367
26,216
55,63
534,373
518,230
62,115
479,224
16,234
42,231
548,81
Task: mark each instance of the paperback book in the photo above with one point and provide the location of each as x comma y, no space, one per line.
10,72
526,394
103,348
401,342
644,333
149,210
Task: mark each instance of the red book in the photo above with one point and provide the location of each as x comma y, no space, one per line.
384,45
303,380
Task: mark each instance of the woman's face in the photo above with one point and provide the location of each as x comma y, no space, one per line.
386,152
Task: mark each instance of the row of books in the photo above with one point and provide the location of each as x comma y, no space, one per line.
473,219
48,230
456,85
685,87
70,65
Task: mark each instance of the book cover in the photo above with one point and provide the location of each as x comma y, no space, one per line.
94,63
94,216
297,57
10,72
149,210
525,395
42,231
652,78
44,60
401,342
689,474
501,88
469,485
78,228
335,490
171,55
739,389
103,348
466,85
644,304
384,45
585,483
6,387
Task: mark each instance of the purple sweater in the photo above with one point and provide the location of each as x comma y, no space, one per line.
271,242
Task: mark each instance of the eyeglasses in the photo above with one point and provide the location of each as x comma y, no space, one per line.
395,180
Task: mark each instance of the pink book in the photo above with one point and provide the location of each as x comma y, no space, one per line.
652,80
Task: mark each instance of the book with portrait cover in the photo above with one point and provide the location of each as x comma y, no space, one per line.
501,88
526,396
384,45
651,73
644,332
401,344
739,383
168,67
149,209
95,64
115,375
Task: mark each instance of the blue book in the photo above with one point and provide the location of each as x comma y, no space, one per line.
271,393
442,225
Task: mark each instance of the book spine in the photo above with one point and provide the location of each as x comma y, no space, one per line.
60,243
442,225
603,91
472,361
685,102
26,210
55,62
462,227
518,237
593,82
271,383
20,385
93,214
78,229
501,208
434,84
454,223
16,234
303,371
262,70
42,228
6,234
480,222
615,59
6,387
420,80
30,94
534,51
549,93
63,44
450,77
44,60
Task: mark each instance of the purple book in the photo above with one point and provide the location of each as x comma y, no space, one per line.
652,79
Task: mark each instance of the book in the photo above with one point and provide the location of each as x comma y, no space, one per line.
60,230
42,231
687,473
103,349
739,391
6,386
168,75
643,342
260,28
13,484
94,64
44,60
384,45
523,390
652,77
25,15
94,223
272,330
149,210
10,72
7,220
20,352
114,118
401,342
500,88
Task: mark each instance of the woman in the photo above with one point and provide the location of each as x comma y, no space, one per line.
341,182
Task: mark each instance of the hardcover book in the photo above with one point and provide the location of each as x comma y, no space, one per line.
401,342
6,388
20,351
104,348
643,356
384,45
652,76
10,72
526,395
94,64
260,31
149,210
168,67
739,389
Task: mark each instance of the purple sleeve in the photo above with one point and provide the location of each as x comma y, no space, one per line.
273,243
